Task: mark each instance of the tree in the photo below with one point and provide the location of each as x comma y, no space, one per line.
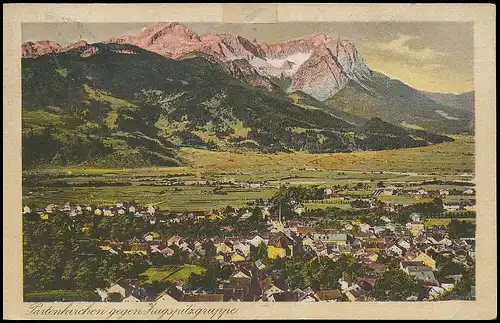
115,297
461,229
380,184
259,252
446,267
394,285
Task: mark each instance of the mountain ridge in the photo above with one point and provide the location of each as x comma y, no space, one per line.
115,104
329,69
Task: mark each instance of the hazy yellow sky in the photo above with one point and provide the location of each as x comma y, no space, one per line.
432,56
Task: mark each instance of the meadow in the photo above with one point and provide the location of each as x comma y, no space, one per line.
408,167
170,273
444,221
447,158
178,198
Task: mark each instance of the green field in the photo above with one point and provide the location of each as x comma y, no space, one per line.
178,198
312,206
444,221
62,296
447,158
457,198
401,199
407,166
170,273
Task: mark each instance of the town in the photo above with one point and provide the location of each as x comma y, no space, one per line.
270,250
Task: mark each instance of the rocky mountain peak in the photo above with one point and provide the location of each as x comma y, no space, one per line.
319,65
38,48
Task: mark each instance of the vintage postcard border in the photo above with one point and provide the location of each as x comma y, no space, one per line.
483,17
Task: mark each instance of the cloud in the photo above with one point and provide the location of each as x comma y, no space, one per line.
400,48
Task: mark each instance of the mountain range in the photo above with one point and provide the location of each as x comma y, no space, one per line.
134,99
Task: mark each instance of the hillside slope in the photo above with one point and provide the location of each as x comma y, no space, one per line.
118,105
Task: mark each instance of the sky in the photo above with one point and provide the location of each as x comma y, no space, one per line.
431,56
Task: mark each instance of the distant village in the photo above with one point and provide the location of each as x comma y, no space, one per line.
413,244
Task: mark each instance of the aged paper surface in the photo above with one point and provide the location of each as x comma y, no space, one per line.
484,20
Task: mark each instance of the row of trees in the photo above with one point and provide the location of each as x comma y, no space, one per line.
56,257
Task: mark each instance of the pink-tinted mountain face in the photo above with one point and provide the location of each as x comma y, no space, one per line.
318,65
42,47
35,49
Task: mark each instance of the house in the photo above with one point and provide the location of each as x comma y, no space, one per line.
150,236
418,270
137,248
443,192
203,297
98,212
337,238
451,206
434,292
102,293
170,295
224,247
131,299
131,209
107,212
51,208
174,240
421,192
119,289
355,293
279,246
44,215
246,215
256,240
305,230
237,257
208,247
26,209
385,219
260,265
394,249
418,255
242,247
241,274
378,268
299,209
469,191
162,248
403,243
308,241
307,299
447,283
281,297
367,284
364,227
329,295
121,212
266,213
390,208
389,190
416,227
372,256
470,207
415,217
273,289
150,210
220,256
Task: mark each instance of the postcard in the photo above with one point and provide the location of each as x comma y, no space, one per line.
229,161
